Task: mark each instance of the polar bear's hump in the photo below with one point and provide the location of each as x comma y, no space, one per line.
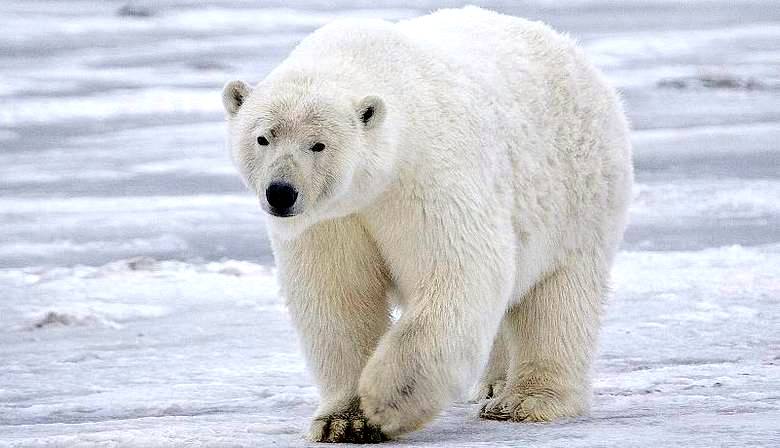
470,43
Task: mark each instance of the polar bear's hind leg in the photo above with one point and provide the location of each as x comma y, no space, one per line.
551,337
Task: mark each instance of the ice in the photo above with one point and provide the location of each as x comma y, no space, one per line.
138,305
118,105
675,353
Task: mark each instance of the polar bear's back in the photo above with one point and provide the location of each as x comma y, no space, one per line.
465,34
521,66
491,49
480,43
564,126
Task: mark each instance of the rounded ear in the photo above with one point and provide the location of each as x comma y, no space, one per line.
233,95
371,111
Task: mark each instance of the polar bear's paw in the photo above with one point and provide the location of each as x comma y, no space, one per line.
347,426
395,410
531,404
395,399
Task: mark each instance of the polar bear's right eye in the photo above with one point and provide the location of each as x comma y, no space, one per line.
262,141
367,114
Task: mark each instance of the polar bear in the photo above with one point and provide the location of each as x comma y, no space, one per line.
471,168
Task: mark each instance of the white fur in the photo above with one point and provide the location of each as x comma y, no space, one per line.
491,186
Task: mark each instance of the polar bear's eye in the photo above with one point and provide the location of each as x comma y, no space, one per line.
317,147
367,114
262,141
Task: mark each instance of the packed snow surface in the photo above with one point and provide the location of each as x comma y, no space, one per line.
138,305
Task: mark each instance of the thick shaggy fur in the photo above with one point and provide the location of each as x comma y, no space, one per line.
486,194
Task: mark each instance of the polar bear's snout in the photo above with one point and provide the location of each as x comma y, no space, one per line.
281,197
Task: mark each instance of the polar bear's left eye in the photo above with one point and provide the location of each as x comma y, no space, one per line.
317,147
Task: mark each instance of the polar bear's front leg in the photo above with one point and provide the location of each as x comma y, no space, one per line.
335,284
347,424
431,354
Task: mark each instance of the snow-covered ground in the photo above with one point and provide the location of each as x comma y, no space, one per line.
137,300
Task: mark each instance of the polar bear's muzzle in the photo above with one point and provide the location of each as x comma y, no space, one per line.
281,197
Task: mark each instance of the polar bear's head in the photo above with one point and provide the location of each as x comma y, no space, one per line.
309,151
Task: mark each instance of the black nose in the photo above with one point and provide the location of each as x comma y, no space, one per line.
281,197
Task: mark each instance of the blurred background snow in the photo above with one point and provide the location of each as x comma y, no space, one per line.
137,300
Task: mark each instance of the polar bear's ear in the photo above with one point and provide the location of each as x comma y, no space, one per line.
233,95
371,111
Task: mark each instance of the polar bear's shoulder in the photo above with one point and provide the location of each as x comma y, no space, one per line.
446,30
350,37
472,27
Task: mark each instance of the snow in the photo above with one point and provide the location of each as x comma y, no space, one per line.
138,305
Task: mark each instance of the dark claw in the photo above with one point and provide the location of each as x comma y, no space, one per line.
493,415
350,426
490,392
360,431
